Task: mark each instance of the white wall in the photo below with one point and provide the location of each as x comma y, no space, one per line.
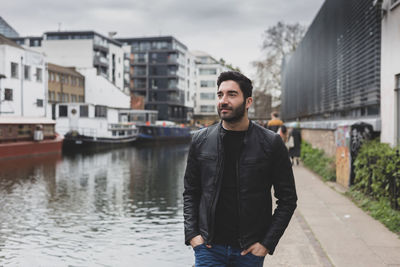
69,53
32,89
100,91
390,66
119,65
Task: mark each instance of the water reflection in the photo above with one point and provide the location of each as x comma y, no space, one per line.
117,208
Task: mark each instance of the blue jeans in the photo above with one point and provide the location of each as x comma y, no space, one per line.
224,256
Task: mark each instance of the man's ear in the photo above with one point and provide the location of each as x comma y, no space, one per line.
249,102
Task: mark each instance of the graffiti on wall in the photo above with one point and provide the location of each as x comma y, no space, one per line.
342,139
360,132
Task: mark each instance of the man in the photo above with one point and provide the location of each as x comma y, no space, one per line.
230,170
275,122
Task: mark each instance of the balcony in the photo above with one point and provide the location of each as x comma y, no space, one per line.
100,47
100,61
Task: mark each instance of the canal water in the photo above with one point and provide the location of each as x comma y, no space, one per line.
116,208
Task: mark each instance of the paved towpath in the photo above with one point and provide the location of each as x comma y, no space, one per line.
328,229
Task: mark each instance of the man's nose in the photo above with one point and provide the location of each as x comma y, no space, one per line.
223,100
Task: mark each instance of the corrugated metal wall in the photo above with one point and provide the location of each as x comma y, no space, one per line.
335,71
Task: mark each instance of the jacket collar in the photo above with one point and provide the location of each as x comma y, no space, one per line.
246,136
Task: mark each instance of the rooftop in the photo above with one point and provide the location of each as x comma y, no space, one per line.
5,41
65,70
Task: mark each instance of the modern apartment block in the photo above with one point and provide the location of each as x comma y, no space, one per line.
22,81
6,30
207,72
83,50
160,71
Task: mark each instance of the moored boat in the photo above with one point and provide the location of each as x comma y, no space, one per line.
88,126
163,132
28,136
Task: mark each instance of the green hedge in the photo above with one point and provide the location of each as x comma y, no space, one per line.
378,209
377,172
316,160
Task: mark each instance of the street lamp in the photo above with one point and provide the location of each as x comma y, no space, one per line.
2,76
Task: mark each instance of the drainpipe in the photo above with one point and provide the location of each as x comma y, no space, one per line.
46,88
2,76
22,87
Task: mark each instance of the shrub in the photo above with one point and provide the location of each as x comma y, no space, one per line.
377,172
316,160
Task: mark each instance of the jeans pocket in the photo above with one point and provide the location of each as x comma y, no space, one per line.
198,247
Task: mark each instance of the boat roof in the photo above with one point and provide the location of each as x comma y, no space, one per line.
25,120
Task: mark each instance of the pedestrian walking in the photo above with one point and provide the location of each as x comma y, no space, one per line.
295,149
231,168
275,122
282,131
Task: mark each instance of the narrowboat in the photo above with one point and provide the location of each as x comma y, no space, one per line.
25,136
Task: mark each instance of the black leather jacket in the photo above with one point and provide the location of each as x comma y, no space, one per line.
263,163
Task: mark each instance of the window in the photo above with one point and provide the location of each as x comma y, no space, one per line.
58,96
73,98
14,70
27,72
8,94
38,74
65,98
394,2
51,96
84,111
207,83
81,98
100,111
207,108
57,77
207,96
62,111
39,102
208,71
80,82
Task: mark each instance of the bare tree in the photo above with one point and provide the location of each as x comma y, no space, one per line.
278,41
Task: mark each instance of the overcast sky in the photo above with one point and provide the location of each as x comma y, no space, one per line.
228,29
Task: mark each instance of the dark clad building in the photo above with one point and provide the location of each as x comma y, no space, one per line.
335,71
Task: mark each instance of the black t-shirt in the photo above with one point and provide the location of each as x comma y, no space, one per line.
227,211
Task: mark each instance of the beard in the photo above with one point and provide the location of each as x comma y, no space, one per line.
236,115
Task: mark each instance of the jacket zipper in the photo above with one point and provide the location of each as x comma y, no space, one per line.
238,197
217,182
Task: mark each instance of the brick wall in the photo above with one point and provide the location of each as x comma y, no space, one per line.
322,139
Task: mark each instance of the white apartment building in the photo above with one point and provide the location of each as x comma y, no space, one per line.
390,73
207,72
81,49
22,81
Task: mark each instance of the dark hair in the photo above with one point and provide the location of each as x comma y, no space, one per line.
244,83
275,114
283,129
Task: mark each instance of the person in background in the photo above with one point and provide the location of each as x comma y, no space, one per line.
275,122
231,168
295,140
283,132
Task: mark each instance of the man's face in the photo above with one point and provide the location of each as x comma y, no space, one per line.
231,103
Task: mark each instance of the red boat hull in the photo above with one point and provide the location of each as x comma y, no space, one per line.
30,148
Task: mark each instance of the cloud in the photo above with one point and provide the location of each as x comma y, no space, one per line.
223,28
